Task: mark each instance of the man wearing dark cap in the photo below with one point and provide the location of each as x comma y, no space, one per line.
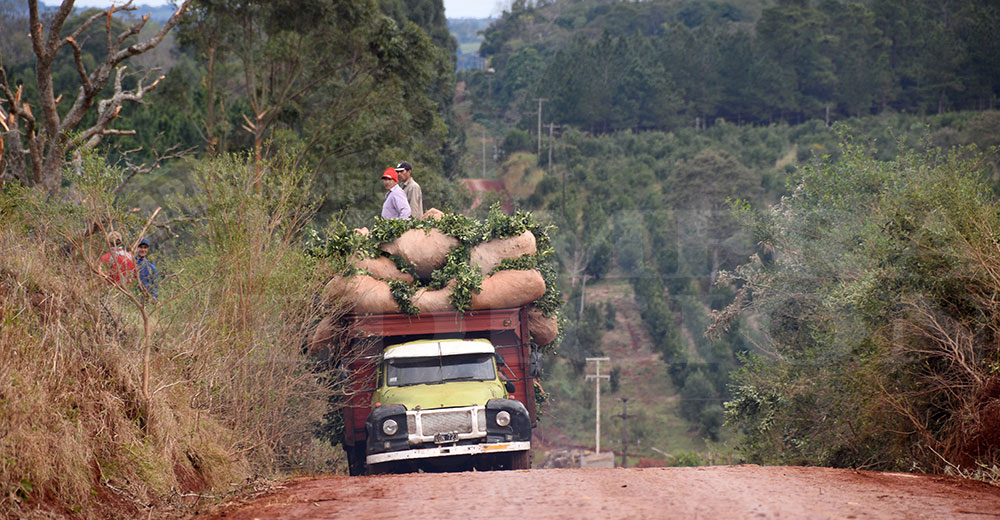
413,194
147,270
395,205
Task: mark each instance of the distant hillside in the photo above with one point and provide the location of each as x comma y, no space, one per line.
468,33
160,13
666,64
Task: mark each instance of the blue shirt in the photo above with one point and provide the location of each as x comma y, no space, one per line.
395,205
148,276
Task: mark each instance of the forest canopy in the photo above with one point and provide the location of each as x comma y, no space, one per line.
608,66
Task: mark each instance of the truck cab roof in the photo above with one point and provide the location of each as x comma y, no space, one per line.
437,348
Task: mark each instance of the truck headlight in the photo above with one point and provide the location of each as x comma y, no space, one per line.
390,427
503,418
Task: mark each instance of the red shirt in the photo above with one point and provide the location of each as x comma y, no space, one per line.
120,264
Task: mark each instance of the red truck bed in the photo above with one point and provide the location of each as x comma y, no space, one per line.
506,328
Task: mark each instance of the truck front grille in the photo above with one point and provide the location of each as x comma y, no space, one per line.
458,422
423,425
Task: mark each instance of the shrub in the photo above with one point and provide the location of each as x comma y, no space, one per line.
878,296
229,387
518,141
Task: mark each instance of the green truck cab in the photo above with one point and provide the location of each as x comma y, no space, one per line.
445,402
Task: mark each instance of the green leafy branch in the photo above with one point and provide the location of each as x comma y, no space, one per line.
403,293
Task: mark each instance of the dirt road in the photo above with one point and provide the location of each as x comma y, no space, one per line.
690,493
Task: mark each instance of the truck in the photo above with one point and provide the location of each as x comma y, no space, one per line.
440,391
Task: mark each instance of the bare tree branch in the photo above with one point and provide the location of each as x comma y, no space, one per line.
133,30
108,109
80,68
86,24
173,152
48,145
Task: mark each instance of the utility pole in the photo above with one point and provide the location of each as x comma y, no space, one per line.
597,379
553,126
484,153
540,100
489,84
624,416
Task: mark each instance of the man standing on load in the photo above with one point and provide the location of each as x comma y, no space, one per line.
395,205
413,194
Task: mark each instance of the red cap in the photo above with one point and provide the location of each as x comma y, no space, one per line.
389,173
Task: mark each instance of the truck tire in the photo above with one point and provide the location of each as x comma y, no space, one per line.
520,460
355,460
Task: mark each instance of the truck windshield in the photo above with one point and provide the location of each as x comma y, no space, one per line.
426,371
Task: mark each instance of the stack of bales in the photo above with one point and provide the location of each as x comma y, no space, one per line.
376,284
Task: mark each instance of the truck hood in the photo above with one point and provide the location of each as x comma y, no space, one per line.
445,395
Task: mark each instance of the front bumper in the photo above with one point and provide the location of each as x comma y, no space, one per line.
448,451
467,430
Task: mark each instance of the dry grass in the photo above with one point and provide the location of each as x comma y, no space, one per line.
232,395
76,434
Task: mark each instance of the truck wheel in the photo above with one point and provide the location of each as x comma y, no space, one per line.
520,460
384,468
355,460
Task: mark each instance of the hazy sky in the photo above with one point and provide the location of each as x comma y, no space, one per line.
472,8
452,8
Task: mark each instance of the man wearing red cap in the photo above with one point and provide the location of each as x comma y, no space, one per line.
395,205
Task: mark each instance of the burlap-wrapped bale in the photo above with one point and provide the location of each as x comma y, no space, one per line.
325,333
384,269
366,294
488,255
513,288
433,213
426,250
543,330
428,300
335,289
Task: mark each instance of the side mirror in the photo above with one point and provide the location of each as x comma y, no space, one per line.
509,385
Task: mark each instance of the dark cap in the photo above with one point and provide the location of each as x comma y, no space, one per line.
145,242
403,166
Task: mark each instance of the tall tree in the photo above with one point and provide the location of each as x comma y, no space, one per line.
345,83
860,55
45,139
693,62
791,35
982,67
701,189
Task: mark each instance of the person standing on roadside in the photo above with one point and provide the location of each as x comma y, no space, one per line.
395,205
117,265
148,275
414,196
